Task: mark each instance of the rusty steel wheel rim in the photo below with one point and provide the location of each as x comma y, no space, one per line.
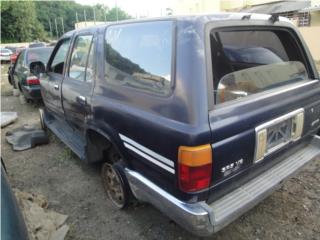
113,185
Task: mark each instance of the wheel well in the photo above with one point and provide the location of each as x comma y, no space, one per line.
98,147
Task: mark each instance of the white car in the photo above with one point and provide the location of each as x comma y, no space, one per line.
5,54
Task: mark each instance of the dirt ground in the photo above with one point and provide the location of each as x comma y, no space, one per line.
74,188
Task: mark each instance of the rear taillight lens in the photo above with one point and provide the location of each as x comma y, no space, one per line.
195,167
33,80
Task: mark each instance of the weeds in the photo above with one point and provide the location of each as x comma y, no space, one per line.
65,155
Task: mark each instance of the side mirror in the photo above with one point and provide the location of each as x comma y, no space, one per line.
37,68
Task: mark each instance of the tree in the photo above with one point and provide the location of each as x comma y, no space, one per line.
19,22
31,20
117,14
48,11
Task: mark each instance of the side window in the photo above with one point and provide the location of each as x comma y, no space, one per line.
59,58
79,57
139,55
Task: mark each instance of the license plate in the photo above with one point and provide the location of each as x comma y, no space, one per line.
278,135
278,132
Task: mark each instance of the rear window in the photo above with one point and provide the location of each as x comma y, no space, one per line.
248,62
40,54
138,55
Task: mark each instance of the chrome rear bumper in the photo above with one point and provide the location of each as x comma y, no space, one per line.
204,219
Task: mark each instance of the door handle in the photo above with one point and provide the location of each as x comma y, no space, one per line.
56,87
82,99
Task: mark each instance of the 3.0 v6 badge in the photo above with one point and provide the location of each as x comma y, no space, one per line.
232,167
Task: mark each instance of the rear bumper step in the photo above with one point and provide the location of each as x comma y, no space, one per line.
204,219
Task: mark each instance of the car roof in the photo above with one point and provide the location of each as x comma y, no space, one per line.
201,18
38,48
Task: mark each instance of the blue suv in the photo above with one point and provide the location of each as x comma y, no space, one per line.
201,116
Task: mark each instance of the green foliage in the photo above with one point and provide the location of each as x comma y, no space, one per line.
31,20
115,13
19,22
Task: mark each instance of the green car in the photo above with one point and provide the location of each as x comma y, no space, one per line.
25,74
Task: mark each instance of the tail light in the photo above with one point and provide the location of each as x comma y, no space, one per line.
13,58
195,167
33,80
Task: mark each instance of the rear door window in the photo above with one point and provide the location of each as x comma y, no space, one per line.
138,55
246,62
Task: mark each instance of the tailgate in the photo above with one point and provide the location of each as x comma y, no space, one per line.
267,102
234,127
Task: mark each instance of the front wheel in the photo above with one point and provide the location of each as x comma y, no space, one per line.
115,184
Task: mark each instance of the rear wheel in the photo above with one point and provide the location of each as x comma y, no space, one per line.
114,180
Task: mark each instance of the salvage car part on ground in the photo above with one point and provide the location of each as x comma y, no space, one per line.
7,118
26,137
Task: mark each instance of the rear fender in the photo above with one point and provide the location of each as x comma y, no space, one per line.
111,135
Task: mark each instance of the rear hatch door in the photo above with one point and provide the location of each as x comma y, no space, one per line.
266,101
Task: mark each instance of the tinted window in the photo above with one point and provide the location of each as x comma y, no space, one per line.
248,62
39,54
60,56
139,55
79,57
255,55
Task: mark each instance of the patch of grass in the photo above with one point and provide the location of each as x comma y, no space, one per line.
52,137
65,155
6,89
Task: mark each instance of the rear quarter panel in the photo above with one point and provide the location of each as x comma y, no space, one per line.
159,123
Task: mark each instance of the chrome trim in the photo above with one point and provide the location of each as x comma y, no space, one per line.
82,98
148,151
270,124
145,156
290,88
315,122
204,219
42,123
